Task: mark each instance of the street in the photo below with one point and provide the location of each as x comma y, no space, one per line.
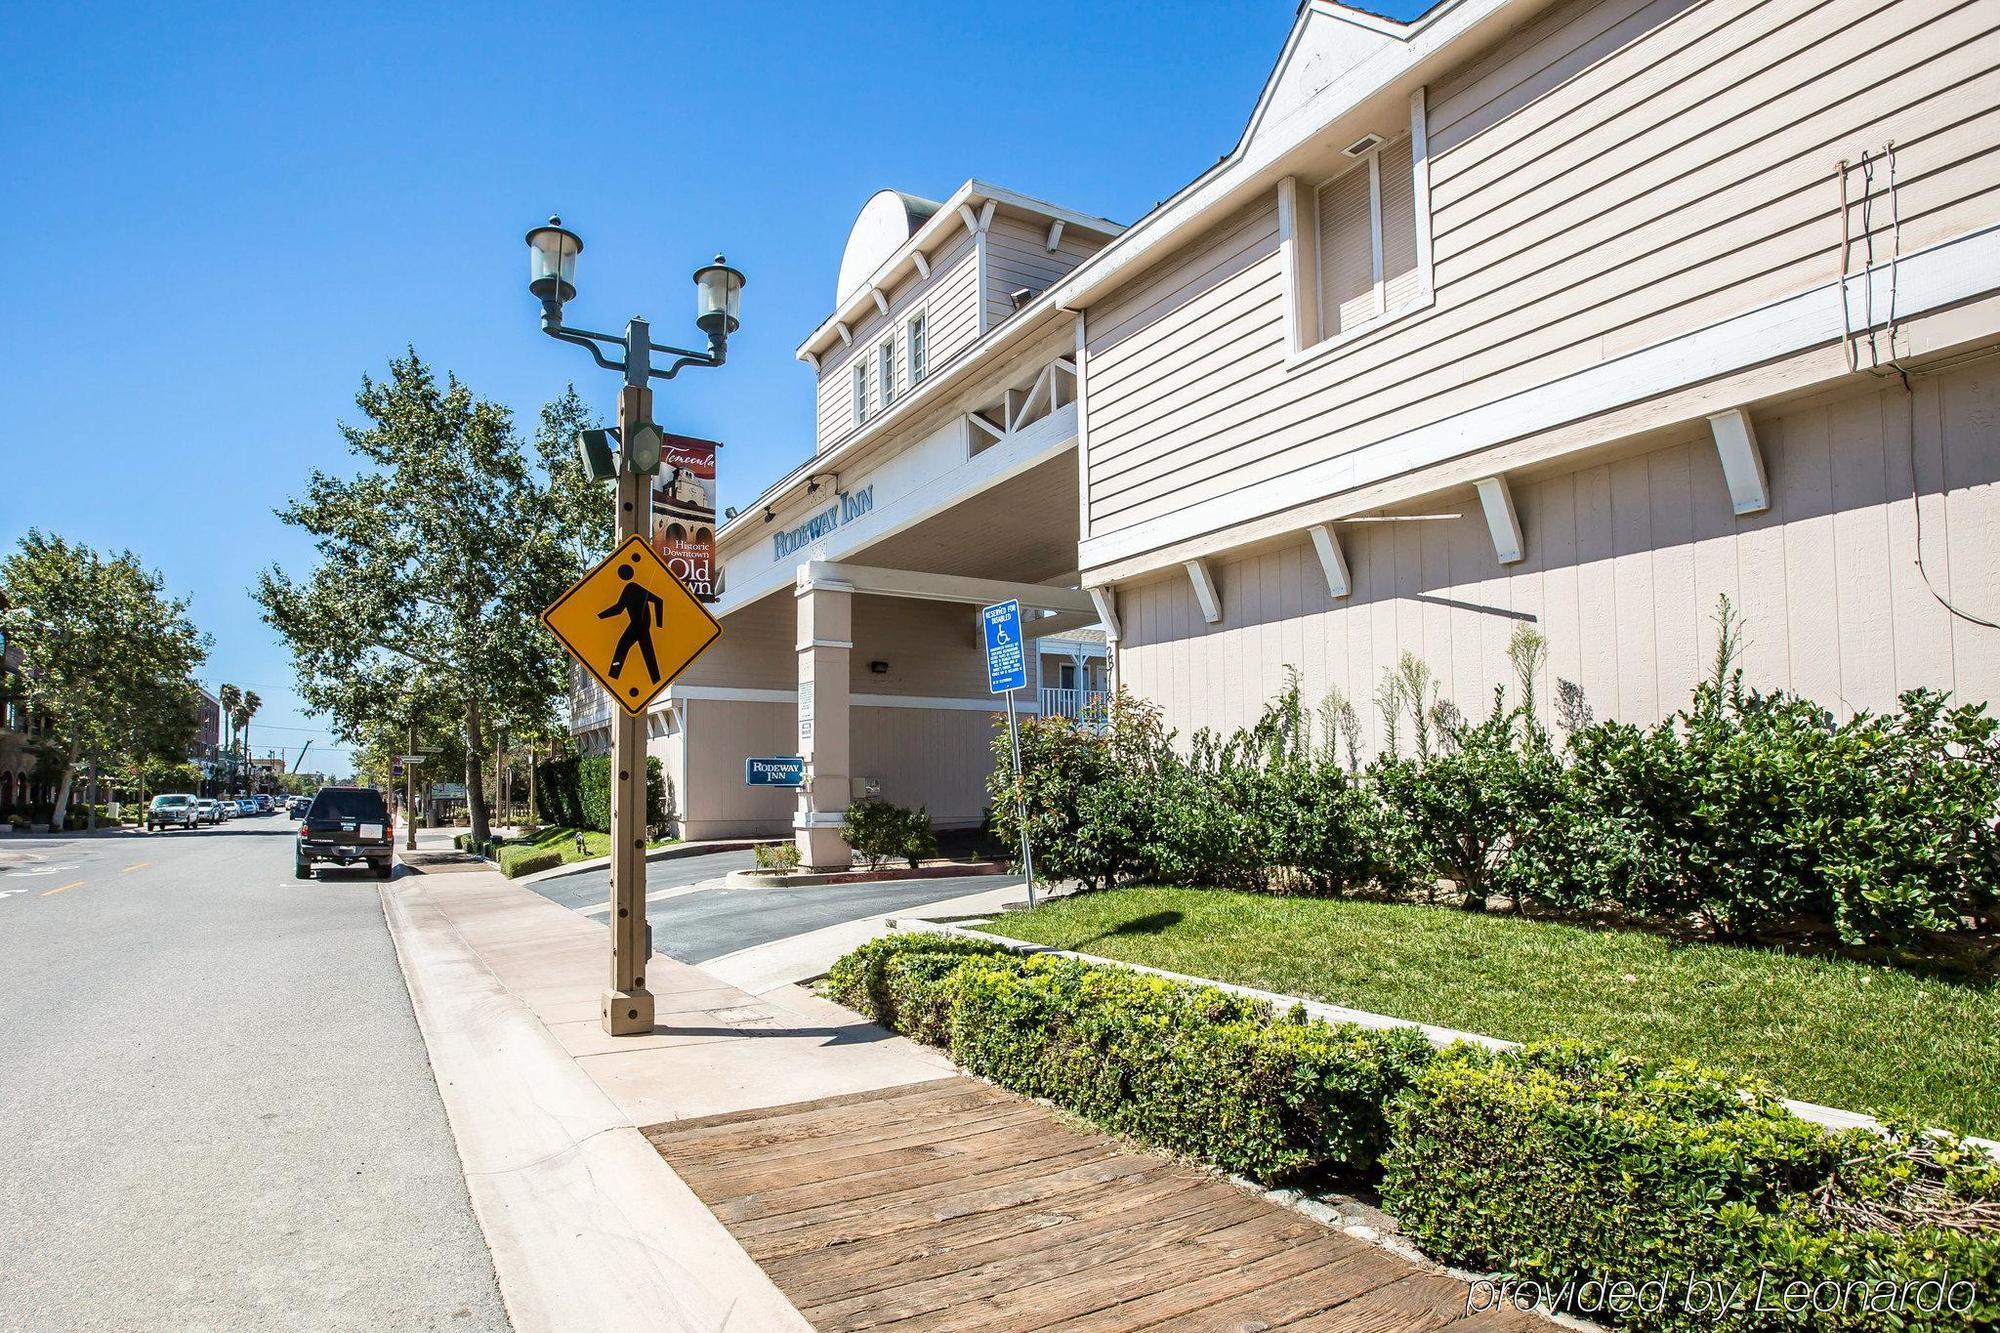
696,916
215,1083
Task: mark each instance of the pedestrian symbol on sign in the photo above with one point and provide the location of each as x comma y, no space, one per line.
643,612
631,605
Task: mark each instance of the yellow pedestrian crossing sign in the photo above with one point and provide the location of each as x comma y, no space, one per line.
632,624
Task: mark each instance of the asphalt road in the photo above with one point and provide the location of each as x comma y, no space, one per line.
218,1111
710,919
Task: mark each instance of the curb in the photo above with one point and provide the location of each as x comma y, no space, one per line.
765,879
673,852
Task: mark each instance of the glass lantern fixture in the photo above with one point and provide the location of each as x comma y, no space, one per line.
552,252
718,298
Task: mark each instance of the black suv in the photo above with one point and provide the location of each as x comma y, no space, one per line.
345,825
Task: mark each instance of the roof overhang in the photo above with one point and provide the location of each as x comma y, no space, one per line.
1323,73
927,239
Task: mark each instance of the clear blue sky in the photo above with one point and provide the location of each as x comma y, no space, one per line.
221,216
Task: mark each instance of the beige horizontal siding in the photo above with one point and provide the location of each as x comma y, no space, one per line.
1624,563
949,299
1655,172
1018,255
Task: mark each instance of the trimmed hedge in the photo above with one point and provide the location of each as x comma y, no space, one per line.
1672,1198
525,859
1192,1068
1565,1164
575,792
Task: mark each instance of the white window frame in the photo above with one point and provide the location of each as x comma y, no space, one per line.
917,333
885,368
1298,250
858,381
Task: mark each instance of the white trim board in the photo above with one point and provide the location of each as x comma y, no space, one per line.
1028,447
1945,274
936,703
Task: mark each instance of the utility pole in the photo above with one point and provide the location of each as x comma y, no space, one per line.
628,1005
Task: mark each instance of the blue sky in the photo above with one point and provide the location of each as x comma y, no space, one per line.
222,216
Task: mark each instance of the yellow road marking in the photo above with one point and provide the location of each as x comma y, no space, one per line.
73,884
139,866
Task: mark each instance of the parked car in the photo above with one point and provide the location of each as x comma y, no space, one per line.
173,811
207,810
245,806
345,825
264,806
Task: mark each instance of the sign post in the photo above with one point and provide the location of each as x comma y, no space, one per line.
634,627
1007,671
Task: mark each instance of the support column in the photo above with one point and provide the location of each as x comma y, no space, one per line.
627,1006
825,642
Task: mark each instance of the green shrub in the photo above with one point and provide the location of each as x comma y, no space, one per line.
1088,793
1919,852
782,857
575,792
1565,1165
900,980
1192,1068
877,830
527,859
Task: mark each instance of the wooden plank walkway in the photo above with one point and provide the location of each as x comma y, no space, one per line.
953,1205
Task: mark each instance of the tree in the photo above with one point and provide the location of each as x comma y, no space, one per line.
107,657
244,712
435,561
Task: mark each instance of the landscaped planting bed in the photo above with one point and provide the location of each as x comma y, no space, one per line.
1652,1196
1827,1030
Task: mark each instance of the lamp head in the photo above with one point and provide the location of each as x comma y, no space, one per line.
718,300
552,252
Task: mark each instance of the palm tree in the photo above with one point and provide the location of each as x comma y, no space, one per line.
231,699
251,703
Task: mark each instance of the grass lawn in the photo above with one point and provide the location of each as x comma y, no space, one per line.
1824,1030
564,840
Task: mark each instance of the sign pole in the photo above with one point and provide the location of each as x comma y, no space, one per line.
1021,808
410,794
628,1005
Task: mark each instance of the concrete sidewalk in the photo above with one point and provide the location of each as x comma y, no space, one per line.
588,1226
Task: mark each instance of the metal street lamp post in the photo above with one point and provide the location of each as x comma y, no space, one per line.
627,1006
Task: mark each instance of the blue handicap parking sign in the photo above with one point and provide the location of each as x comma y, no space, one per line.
1006,656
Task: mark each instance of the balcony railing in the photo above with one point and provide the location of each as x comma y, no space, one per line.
1078,705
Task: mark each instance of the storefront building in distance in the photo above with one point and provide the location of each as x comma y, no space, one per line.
1568,314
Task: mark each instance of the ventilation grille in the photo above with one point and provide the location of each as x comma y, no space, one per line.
1363,146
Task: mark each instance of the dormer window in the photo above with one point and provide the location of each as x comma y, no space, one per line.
918,351
885,358
860,390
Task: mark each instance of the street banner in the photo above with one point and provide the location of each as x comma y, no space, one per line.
684,512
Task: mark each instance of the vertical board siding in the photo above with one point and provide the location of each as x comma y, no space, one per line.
1614,175
1626,560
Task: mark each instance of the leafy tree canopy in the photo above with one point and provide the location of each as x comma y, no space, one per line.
435,560
106,656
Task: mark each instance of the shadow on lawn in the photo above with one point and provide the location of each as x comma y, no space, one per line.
1153,923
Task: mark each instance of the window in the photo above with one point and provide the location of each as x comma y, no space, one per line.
1368,241
885,357
919,350
1356,245
861,391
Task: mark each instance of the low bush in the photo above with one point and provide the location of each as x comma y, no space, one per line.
782,857
527,859
1573,1169
878,830
1668,1197
1192,1068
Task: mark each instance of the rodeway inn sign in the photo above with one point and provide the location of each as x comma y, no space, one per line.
844,509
